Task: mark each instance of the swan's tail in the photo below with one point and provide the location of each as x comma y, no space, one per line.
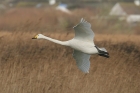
103,49
103,52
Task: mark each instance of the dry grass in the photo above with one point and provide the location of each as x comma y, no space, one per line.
40,66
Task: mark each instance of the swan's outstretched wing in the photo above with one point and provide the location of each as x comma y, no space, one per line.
82,61
83,31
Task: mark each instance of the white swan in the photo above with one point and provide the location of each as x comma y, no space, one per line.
82,44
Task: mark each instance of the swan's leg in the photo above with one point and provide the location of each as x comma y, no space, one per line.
102,53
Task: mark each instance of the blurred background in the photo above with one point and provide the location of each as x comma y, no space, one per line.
40,66
106,16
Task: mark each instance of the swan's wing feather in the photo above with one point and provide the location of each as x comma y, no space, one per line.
83,31
82,61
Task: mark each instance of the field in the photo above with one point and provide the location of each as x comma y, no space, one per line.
40,66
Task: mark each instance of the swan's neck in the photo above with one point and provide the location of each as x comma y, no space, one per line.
56,41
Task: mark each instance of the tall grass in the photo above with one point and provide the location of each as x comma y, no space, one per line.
40,66
32,66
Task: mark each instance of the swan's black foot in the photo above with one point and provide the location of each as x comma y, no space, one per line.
104,55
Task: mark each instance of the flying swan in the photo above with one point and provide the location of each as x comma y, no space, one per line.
82,44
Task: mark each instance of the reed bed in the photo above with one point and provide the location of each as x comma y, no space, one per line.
32,66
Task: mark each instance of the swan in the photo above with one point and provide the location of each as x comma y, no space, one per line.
82,44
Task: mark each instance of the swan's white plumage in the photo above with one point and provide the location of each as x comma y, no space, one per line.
82,61
82,44
83,31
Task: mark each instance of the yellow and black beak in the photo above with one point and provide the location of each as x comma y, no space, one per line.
35,37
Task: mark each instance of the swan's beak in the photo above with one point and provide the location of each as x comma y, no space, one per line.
35,37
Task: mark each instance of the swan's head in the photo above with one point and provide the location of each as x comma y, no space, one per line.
38,36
